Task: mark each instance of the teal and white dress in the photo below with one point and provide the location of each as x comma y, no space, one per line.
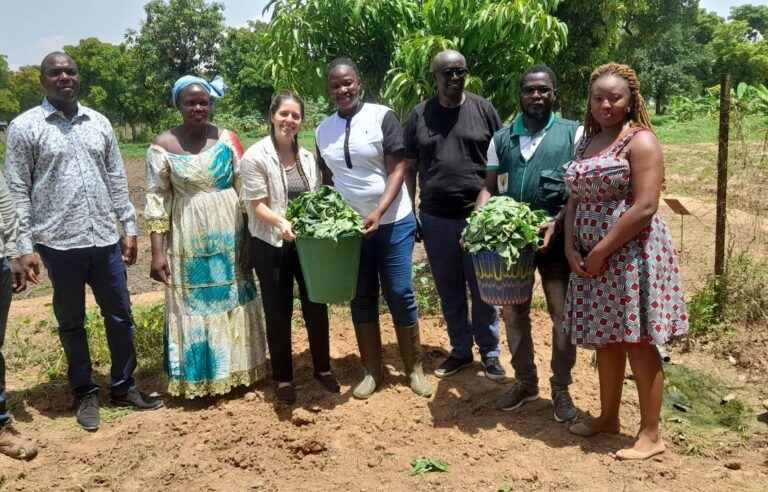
214,330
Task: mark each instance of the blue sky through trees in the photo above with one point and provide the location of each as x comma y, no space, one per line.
31,29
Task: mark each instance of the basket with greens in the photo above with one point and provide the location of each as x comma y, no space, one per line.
328,240
502,238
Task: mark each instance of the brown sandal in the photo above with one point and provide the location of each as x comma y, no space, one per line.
15,446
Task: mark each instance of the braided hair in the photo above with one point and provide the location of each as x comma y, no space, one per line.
638,113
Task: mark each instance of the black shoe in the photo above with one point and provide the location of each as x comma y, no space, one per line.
87,414
451,366
516,397
286,394
564,410
137,399
328,381
493,369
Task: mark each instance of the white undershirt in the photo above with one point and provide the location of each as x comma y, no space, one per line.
528,145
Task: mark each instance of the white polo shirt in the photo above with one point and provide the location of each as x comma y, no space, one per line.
361,175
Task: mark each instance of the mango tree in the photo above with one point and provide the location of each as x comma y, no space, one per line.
392,41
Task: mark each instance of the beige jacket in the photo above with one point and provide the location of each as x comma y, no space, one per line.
263,177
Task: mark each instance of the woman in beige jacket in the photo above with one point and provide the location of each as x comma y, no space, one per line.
274,171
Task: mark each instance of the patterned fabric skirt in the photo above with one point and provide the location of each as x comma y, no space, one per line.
638,298
214,329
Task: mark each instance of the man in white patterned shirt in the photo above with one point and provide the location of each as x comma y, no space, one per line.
67,178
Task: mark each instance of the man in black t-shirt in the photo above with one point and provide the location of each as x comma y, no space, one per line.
447,138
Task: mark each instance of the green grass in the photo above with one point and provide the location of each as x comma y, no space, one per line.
26,352
701,130
427,298
307,139
134,150
693,412
148,337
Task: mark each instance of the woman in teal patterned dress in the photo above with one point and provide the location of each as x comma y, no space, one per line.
214,334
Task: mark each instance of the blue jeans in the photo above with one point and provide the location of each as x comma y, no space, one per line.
103,269
6,284
386,257
453,273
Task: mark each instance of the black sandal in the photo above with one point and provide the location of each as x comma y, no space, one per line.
329,382
286,394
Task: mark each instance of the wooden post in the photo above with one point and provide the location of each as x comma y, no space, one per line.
722,192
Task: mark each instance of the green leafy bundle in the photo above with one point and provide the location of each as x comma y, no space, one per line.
419,466
505,226
323,214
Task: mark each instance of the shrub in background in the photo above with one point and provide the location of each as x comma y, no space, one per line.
147,338
427,298
746,284
251,126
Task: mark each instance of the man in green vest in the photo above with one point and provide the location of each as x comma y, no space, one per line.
525,162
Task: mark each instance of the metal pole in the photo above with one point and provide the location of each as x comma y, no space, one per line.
722,191
682,238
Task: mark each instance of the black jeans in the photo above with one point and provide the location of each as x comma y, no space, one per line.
103,269
6,291
554,270
276,269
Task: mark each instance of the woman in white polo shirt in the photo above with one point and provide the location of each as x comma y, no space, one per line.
360,151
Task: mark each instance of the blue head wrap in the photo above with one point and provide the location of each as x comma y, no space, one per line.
215,88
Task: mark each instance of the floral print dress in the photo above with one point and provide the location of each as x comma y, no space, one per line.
214,333
639,297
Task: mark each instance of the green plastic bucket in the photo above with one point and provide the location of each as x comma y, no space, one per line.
330,268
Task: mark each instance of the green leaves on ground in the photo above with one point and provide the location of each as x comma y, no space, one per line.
697,415
420,466
323,214
504,225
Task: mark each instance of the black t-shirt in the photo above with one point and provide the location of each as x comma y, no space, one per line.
450,147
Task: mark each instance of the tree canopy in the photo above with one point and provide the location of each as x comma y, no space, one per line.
8,103
756,16
392,42
676,47
242,66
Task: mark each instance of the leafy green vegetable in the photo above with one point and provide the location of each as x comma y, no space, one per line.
505,226
323,214
425,465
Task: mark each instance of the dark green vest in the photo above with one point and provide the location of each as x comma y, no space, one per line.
538,182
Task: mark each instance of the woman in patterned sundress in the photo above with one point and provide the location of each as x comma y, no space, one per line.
624,295
214,334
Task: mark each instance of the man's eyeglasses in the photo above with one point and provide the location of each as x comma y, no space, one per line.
55,72
454,72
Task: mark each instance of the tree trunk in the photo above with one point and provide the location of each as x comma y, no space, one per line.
659,104
133,132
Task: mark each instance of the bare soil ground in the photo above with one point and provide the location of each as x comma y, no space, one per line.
246,441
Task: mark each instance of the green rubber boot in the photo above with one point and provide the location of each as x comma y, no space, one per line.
410,350
369,342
